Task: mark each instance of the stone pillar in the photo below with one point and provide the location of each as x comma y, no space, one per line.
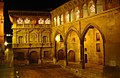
54,56
82,55
66,58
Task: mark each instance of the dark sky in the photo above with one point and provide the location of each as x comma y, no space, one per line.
32,5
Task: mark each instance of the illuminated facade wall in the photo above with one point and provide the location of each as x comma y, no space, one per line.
86,18
31,36
1,27
88,32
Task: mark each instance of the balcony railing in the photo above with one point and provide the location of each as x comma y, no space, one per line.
32,25
30,45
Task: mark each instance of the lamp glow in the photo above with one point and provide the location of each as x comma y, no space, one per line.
6,43
57,38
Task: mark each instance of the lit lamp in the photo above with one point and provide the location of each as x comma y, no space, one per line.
6,43
57,38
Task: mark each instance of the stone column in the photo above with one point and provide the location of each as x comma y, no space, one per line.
54,56
66,58
82,55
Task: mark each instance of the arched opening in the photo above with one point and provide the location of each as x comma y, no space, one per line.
71,56
73,48
59,45
33,57
93,48
61,55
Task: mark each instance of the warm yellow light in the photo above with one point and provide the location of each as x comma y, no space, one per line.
6,43
57,38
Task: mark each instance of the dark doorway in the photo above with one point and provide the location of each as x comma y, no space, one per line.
33,57
61,55
71,56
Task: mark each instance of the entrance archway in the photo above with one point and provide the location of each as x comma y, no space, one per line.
93,47
73,46
33,57
71,56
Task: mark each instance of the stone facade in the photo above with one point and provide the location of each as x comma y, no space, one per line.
84,32
90,29
31,36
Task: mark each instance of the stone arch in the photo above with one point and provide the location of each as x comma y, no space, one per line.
33,58
69,30
73,43
91,25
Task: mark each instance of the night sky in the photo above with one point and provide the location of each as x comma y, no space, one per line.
30,5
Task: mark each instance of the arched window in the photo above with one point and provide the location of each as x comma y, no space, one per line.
77,13
85,12
41,21
58,20
99,6
61,19
55,21
71,15
67,17
91,8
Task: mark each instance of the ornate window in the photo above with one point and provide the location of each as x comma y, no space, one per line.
47,21
41,21
67,16
77,13
20,39
91,8
19,21
33,37
27,21
44,39
71,15
85,13
55,21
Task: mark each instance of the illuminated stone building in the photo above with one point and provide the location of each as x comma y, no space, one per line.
84,32
1,29
31,40
88,32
